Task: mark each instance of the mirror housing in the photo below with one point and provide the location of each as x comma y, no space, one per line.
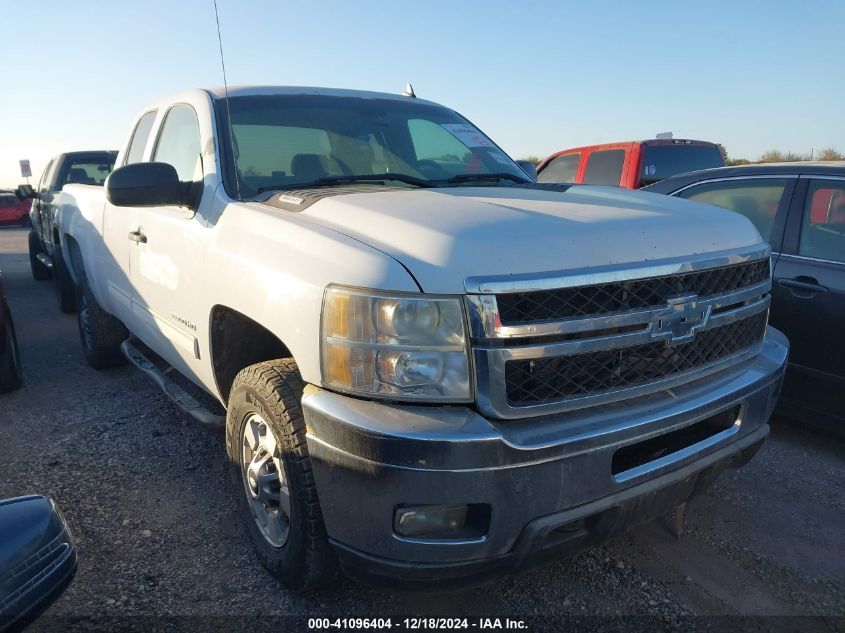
24,192
37,546
149,185
529,168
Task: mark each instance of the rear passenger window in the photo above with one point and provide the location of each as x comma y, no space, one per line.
139,138
823,228
605,167
757,199
561,169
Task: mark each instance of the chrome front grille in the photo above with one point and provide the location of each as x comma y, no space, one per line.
607,298
561,342
559,378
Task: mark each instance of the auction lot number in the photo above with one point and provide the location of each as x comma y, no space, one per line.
415,624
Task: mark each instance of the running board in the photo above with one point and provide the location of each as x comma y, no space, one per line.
45,260
181,398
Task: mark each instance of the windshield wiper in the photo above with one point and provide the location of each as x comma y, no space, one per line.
460,178
340,180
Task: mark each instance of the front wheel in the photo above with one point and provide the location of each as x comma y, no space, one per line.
11,376
272,476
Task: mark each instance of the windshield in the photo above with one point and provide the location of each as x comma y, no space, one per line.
286,141
662,161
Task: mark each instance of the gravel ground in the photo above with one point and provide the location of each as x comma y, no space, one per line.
148,498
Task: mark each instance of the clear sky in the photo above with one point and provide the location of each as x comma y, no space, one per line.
536,76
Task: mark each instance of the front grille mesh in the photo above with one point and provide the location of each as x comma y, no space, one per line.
543,380
562,303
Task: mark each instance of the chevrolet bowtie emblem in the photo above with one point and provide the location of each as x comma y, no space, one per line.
680,321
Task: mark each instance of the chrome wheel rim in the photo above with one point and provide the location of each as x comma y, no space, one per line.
265,484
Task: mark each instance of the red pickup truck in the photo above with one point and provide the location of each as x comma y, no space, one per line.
631,164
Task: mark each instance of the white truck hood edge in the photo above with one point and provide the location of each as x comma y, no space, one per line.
443,236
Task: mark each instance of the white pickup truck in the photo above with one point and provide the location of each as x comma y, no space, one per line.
429,367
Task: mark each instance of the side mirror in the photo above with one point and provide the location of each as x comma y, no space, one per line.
24,192
37,558
148,185
529,168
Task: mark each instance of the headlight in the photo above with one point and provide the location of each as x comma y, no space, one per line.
398,346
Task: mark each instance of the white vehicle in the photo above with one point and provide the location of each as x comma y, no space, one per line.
432,367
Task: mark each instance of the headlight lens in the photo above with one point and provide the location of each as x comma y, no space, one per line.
395,345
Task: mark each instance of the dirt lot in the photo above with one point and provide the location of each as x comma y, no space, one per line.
148,500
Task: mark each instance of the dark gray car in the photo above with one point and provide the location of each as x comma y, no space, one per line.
800,209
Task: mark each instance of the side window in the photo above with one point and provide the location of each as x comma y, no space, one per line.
139,138
757,199
605,167
823,225
45,177
561,169
179,143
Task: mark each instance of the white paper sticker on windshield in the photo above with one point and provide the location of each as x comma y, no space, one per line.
467,134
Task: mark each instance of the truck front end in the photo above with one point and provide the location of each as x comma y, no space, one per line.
536,415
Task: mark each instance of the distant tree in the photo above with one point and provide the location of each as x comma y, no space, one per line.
772,156
731,162
790,157
532,159
828,153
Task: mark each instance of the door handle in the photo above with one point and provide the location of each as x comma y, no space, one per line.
137,236
807,284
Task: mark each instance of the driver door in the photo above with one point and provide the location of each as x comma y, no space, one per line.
165,254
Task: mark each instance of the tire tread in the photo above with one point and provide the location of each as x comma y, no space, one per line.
10,371
107,331
280,386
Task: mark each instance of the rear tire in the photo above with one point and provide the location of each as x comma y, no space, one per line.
264,404
11,376
39,271
99,332
65,288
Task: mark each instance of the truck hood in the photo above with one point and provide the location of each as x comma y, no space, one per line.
443,236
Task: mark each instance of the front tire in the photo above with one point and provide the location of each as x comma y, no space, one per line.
99,332
272,476
39,271
11,376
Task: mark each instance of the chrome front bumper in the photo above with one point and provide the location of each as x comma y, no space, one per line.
548,480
